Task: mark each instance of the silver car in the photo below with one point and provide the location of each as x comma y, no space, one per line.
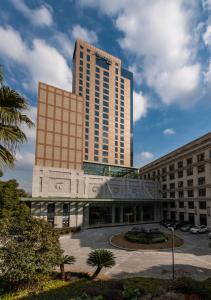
199,229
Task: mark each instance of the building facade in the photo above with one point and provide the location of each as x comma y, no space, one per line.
107,89
185,177
83,174
60,128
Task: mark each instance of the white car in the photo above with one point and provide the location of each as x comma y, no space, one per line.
199,229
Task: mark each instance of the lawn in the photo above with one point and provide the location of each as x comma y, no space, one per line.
113,289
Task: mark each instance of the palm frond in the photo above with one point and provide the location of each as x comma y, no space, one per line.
101,258
6,158
1,75
68,260
11,136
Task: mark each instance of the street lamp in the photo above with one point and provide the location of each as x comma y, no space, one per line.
172,250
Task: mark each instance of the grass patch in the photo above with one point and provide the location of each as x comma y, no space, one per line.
111,289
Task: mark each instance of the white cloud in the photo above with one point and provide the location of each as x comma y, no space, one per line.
140,106
143,158
161,35
169,131
206,4
42,61
84,34
31,132
65,44
207,36
24,160
207,77
41,16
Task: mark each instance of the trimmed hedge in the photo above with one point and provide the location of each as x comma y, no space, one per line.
68,230
145,238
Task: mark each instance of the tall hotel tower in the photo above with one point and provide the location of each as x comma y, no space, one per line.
107,89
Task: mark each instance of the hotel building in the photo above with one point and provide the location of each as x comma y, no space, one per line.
83,174
184,176
107,89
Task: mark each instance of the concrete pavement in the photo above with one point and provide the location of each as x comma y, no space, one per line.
192,259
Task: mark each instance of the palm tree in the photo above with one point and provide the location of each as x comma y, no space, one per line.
100,258
65,260
13,107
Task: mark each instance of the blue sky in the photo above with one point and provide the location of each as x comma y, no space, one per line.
167,44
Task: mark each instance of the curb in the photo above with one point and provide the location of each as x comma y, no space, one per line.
141,250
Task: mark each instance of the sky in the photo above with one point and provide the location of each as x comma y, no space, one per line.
165,43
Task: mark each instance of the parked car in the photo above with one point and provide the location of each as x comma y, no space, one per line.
167,223
178,224
186,228
199,229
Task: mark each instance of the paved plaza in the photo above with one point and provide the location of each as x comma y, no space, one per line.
192,259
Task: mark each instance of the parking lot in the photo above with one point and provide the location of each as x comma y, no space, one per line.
192,259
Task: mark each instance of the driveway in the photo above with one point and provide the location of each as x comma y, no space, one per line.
192,259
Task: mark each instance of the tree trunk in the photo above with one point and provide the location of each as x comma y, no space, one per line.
62,271
96,272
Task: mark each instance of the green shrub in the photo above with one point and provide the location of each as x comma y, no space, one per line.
130,293
68,230
145,238
160,239
189,286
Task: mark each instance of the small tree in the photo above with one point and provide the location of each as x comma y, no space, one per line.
66,260
30,250
100,258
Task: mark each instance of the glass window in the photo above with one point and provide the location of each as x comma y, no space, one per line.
105,97
201,168
88,72
97,81
201,180
105,159
81,54
105,85
200,157
105,128
180,164
191,204
181,194
202,192
106,91
190,182
180,174
190,171
106,79
95,158
105,103
105,147
105,109
97,76
106,73
81,62
202,205
88,57
181,204
190,193
97,70
189,161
